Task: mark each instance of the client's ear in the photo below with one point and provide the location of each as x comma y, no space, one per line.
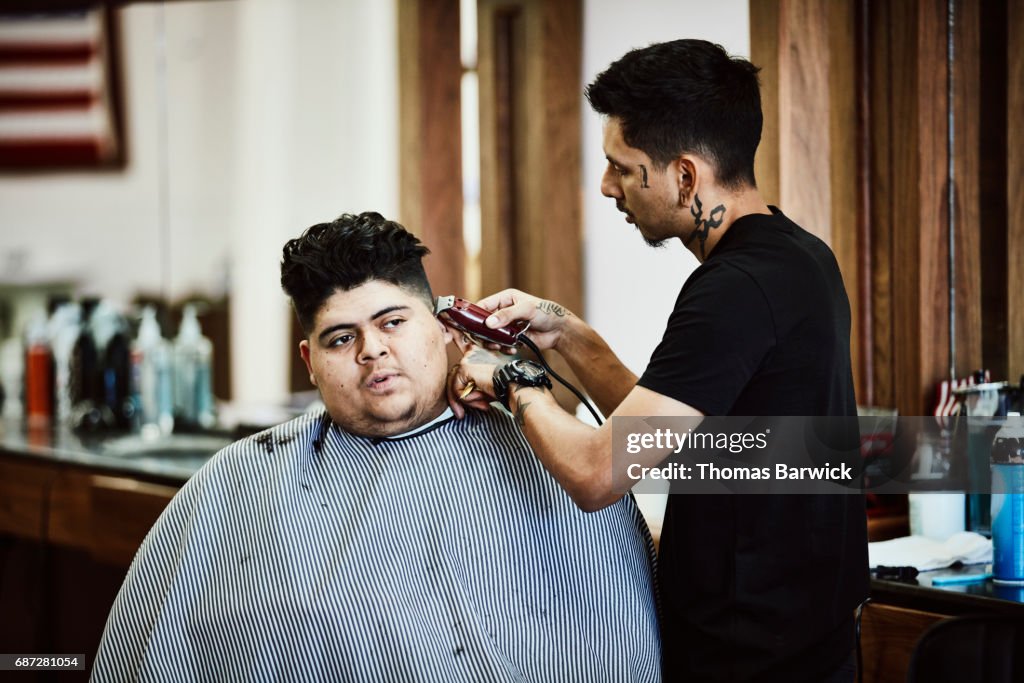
304,352
446,331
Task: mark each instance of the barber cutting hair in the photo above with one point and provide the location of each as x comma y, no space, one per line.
755,587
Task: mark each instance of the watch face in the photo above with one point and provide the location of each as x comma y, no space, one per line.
529,371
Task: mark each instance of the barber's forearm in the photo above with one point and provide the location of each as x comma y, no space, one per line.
577,455
602,374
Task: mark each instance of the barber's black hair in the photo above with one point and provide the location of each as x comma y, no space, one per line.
346,253
686,96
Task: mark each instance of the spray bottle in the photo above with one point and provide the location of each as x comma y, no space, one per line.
193,357
151,378
1008,504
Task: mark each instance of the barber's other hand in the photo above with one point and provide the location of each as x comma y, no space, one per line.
476,370
547,318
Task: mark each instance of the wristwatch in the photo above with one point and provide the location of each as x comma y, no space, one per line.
525,373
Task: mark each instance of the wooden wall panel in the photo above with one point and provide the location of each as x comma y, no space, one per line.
530,69
530,65
558,225
992,142
968,244
500,67
1014,196
843,171
804,143
918,134
920,250
876,71
430,164
863,328
882,221
764,52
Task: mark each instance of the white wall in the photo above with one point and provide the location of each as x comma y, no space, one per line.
629,287
318,87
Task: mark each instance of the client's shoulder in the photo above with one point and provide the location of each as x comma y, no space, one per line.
497,425
292,437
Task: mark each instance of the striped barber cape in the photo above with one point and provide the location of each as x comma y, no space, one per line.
305,553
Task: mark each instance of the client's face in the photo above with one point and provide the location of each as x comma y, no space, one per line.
377,355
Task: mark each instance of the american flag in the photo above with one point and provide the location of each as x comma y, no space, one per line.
57,100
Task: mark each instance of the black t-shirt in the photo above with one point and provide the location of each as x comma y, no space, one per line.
760,587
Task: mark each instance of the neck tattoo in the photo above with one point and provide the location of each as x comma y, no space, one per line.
704,225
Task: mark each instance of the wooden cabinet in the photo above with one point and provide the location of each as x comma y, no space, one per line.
106,515
67,536
900,612
23,498
888,637
122,512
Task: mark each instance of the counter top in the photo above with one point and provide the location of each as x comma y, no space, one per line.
172,459
954,599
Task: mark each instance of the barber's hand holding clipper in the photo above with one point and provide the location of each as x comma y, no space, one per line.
471,381
551,327
547,319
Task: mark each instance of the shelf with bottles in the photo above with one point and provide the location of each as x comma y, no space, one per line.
91,367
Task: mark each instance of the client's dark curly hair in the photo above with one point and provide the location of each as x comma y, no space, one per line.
346,253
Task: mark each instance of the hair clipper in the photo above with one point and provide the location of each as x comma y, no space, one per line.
469,318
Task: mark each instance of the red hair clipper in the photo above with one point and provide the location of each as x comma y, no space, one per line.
469,318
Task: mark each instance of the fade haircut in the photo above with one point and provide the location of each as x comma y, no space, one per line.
686,96
346,253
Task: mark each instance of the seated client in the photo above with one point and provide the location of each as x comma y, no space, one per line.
380,539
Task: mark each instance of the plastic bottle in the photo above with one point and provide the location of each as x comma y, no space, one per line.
935,514
193,357
12,373
85,374
64,328
38,374
109,332
1008,504
151,378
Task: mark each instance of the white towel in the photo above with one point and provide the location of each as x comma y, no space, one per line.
925,554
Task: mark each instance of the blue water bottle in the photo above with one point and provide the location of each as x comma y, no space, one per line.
1008,504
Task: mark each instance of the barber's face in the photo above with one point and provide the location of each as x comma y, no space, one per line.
377,355
649,197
